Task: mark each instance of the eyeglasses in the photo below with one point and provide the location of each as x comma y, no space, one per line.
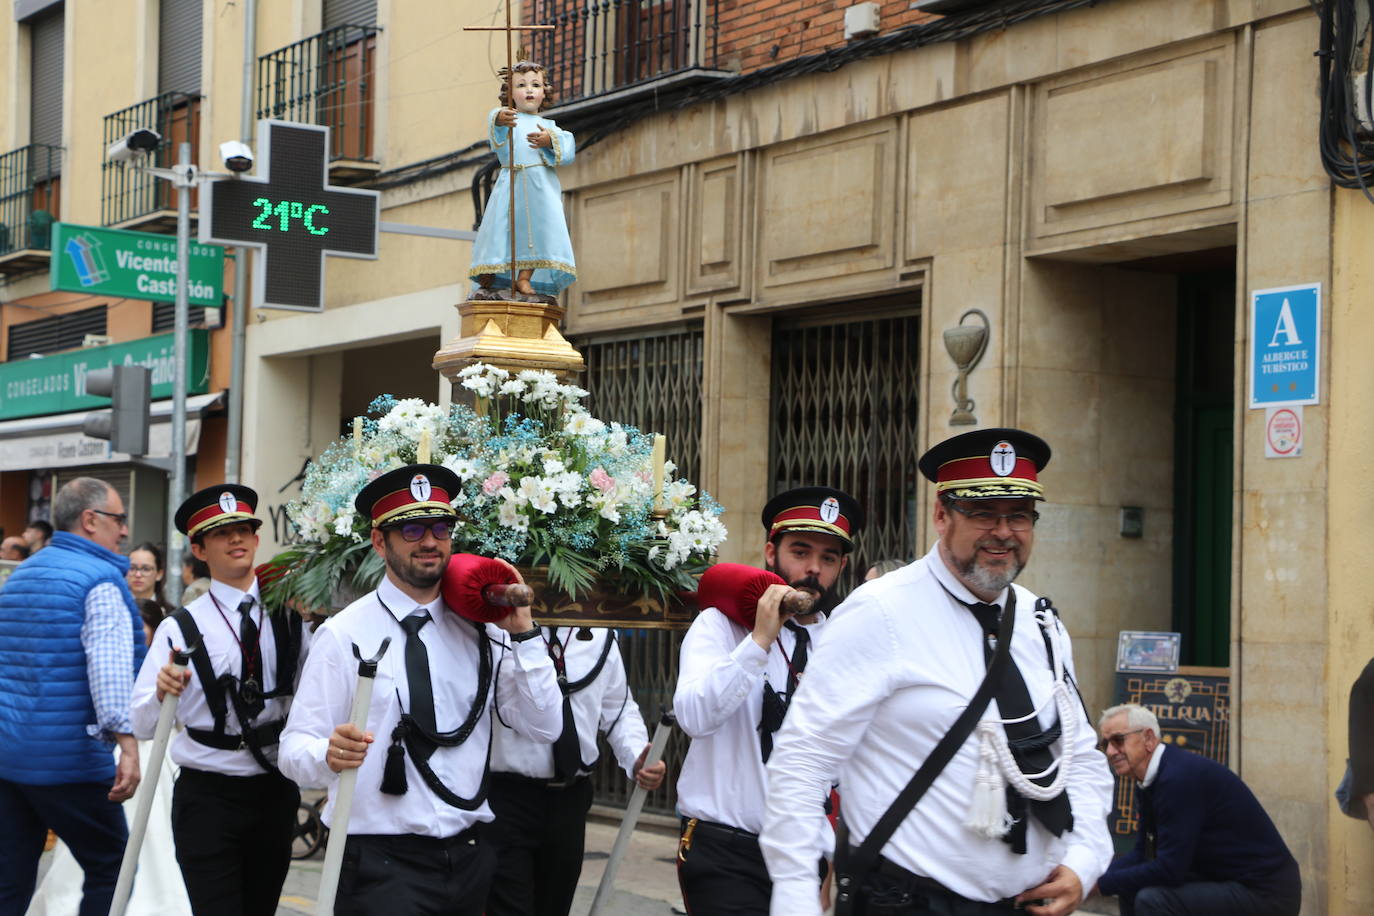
1118,740
121,518
982,518
143,570
415,531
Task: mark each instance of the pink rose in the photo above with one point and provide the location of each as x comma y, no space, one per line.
601,480
495,482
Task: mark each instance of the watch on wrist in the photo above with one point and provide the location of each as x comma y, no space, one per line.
531,633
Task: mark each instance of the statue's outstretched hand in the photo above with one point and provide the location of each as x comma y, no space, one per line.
505,117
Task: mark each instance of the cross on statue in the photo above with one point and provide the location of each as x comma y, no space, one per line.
291,212
510,31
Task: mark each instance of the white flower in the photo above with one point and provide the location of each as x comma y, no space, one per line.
539,494
508,514
464,467
552,466
514,386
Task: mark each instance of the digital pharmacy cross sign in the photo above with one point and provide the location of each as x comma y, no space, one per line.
1285,345
292,214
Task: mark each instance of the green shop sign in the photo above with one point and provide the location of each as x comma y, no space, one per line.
57,383
133,265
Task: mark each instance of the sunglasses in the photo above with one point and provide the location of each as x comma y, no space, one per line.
1118,740
415,531
121,518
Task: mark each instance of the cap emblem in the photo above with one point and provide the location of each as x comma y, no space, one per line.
1003,459
228,502
830,510
419,487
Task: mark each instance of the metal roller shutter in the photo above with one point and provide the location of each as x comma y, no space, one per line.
45,94
349,12
178,46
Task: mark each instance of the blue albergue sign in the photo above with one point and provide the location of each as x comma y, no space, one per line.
1285,345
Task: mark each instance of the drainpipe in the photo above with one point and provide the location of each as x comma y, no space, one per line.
239,308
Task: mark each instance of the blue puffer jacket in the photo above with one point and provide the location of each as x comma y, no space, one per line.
45,698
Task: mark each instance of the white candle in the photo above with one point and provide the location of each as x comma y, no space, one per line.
659,459
422,453
357,435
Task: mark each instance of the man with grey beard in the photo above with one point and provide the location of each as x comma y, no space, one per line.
1011,810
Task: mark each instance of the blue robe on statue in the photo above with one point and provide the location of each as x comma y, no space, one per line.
541,231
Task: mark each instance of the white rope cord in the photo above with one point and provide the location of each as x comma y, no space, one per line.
988,814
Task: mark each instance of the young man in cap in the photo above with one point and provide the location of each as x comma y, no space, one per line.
896,671
233,813
415,837
541,793
733,689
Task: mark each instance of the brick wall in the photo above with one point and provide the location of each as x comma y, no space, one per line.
750,35
760,33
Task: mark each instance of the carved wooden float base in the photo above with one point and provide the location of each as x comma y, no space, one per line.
605,607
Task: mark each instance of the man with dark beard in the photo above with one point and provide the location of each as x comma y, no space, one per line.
732,693
1014,816
415,839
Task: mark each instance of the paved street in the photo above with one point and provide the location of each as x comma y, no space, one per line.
646,886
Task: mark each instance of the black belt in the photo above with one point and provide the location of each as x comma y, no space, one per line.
267,733
539,782
722,833
930,886
421,844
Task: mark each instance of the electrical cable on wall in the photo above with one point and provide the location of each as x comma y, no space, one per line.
1347,147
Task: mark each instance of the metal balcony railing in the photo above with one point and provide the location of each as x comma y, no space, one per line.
599,46
30,179
326,79
128,193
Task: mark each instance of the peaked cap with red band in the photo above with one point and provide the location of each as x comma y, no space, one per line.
215,506
823,510
411,493
996,463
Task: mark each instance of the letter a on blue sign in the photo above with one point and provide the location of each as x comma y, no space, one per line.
1285,345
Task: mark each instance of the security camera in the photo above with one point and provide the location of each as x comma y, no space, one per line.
236,155
134,144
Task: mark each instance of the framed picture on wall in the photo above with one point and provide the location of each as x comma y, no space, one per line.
1143,650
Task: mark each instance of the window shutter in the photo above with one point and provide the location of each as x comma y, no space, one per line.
178,46
349,12
45,93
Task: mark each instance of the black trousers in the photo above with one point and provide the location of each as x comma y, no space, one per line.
1212,898
721,871
415,875
90,824
539,835
233,839
890,890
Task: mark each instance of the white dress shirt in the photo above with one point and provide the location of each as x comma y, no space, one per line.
719,703
219,629
603,705
1152,768
892,674
526,689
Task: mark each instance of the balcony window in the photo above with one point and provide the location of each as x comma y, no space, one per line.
327,79
129,196
609,49
30,193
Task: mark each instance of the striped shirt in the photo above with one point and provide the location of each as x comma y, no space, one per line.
109,661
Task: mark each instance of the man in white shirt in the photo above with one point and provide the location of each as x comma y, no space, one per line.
897,668
541,793
415,838
233,813
734,686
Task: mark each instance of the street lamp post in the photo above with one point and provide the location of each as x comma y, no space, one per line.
183,179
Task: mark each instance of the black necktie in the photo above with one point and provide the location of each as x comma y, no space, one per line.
798,657
417,672
567,750
250,667
1030,746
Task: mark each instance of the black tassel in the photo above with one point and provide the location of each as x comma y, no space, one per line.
584,634
394,773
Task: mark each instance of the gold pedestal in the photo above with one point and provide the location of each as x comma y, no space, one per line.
511,334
